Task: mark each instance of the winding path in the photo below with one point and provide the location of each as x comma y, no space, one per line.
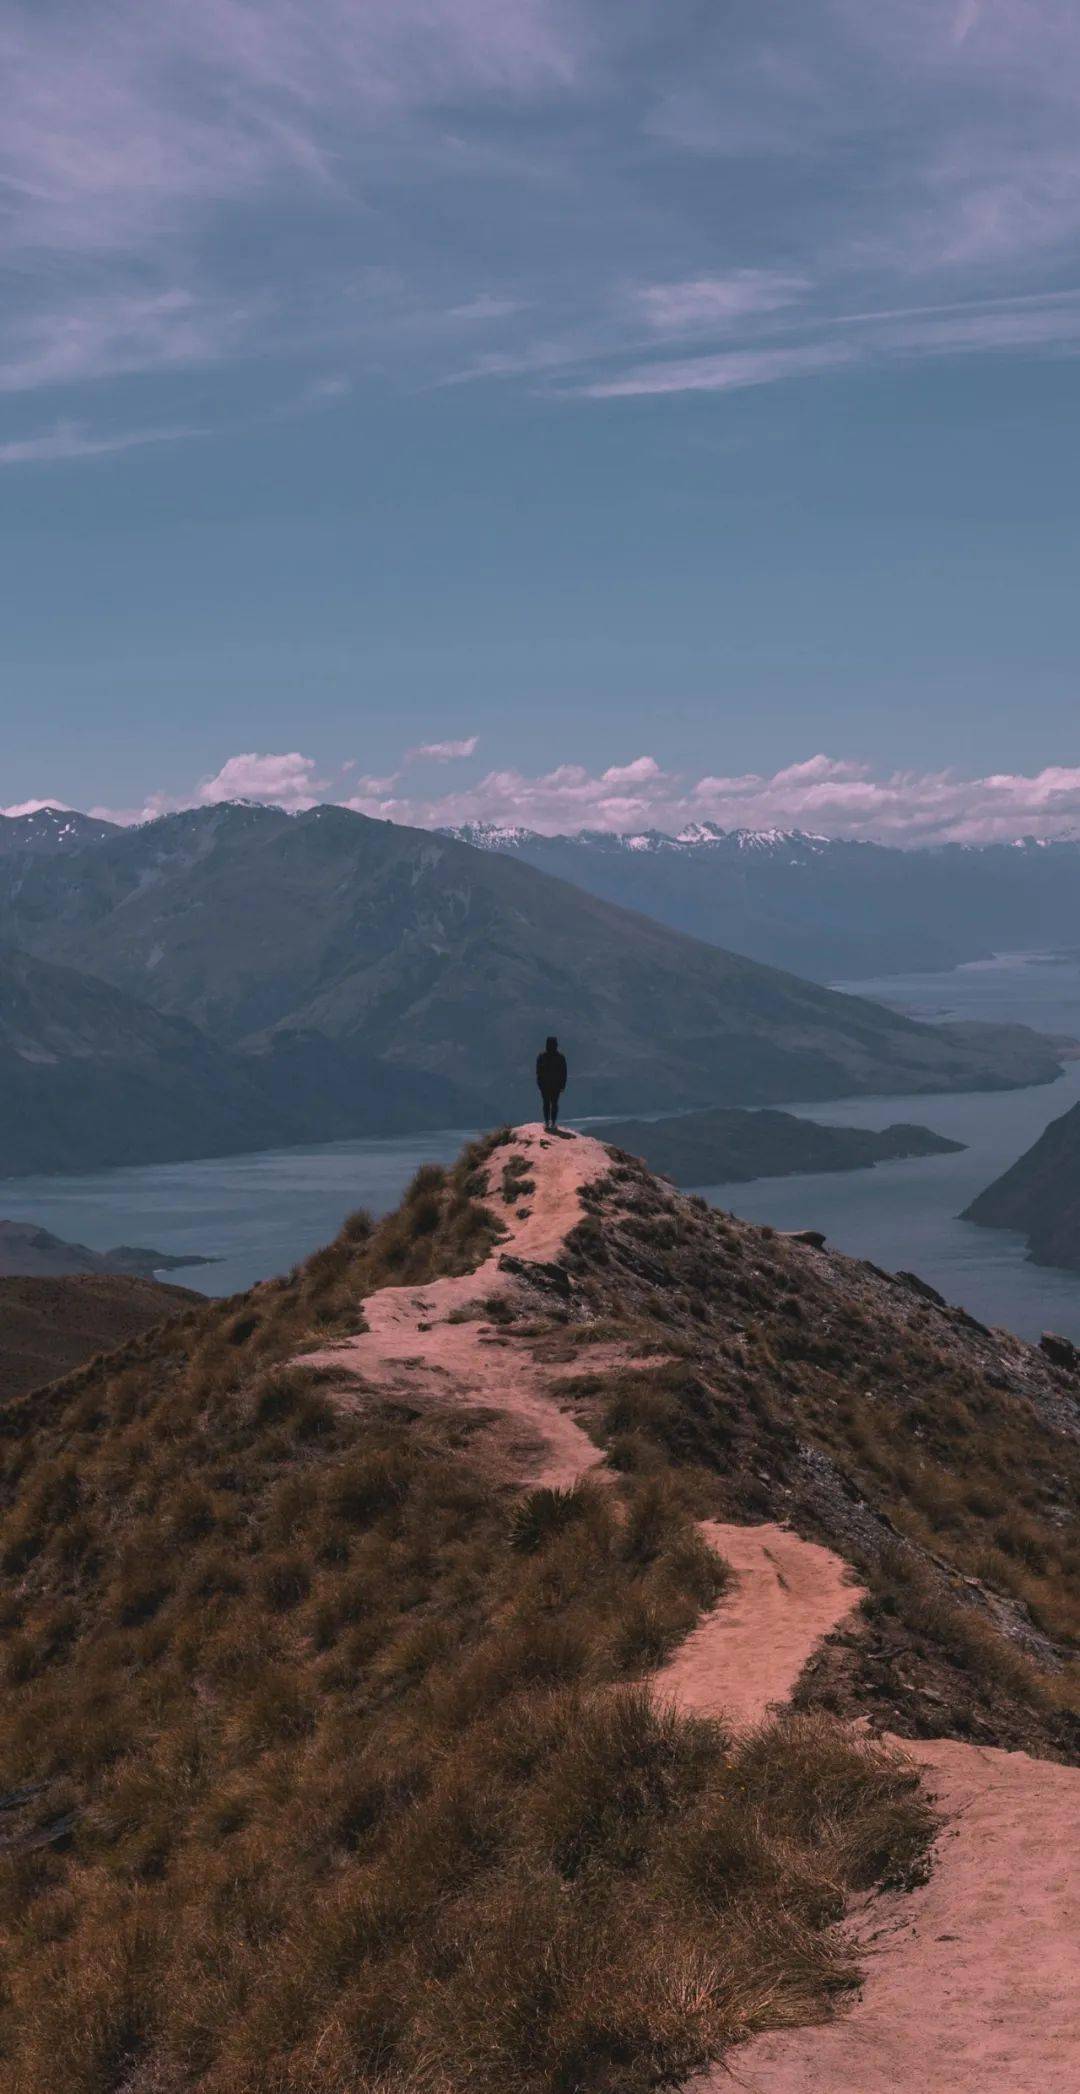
410,1345
973,1981
746,1655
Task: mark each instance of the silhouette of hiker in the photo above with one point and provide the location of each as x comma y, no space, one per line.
551,1077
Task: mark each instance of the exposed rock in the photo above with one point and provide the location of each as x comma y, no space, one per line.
1061,1351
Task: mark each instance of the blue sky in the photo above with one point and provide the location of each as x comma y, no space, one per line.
566,411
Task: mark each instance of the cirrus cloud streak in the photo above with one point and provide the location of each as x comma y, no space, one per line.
154,159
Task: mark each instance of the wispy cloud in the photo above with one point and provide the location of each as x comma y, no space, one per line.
863,340
79,339
443,752
731,371
124,123
138,142
717,301
485,306
253,178
69,441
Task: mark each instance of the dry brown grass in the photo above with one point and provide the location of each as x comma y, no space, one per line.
326,1761
358,1792
967,1449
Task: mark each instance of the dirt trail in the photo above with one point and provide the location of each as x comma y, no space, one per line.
409,1344
972,1981
747,1654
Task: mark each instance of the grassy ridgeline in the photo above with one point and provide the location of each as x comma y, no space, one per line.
326,1765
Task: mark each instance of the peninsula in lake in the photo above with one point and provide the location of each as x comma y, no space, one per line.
726,1146
1040,1195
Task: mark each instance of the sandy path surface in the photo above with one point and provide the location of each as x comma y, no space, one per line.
973,1983
747,1654
410,1345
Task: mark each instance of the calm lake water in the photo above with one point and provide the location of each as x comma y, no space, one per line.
904,1215
259,1214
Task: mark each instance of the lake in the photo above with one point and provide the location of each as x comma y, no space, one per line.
260,1214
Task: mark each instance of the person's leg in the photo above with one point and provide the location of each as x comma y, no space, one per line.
554,1108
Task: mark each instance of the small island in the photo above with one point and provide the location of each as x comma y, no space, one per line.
726,1145
1040,1196
29,1252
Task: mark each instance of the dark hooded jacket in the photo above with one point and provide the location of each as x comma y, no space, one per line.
551,1070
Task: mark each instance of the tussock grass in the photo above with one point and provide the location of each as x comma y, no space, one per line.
967,1444
338,1770
517,1180
365,1793
549,1510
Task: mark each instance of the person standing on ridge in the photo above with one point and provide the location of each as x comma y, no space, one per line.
551,1077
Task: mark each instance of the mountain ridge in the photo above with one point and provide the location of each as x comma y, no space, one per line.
47,831
326,937
828,908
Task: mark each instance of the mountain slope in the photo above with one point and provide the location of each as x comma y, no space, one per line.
90,1078
824,907
432,956
328,1749
50,1326
1040,1195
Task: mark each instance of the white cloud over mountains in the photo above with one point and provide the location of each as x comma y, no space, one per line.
829,795
290,781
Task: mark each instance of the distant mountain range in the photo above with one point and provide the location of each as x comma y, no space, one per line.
1040,1195
826,908
234,977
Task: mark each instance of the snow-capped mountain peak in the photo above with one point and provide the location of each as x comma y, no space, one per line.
491,836
47,831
